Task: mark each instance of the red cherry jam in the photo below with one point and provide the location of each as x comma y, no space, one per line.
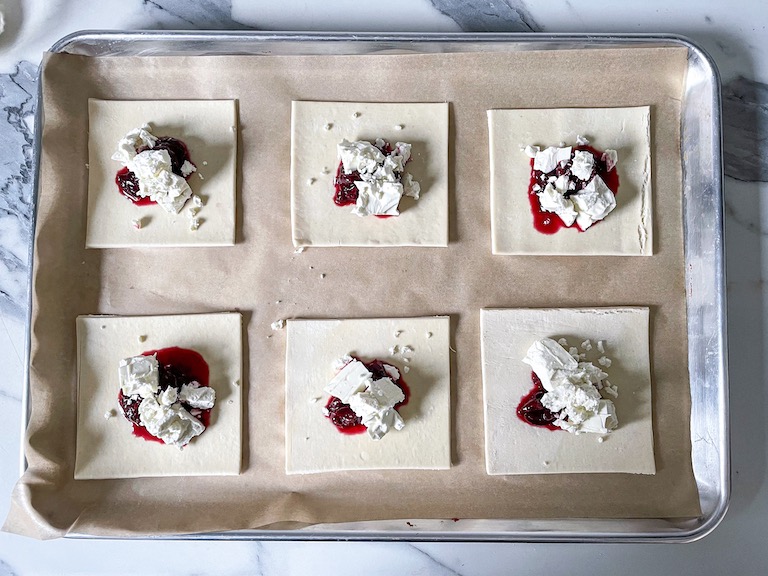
344,189
532,411
549,222
128,184
342,416
176,367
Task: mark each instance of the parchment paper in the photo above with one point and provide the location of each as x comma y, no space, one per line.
262,269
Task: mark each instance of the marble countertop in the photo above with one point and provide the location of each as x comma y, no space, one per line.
735,37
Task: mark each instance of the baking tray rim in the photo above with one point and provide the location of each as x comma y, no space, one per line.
687,530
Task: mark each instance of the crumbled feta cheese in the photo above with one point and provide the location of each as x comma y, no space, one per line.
407,349
310,181
356,115
171,424
604,361
328,126
611,158
110,413
299,250
168,396
322,275
152,169
187,168
397,333
200,176
128,144
394,350
572,388
382,180
278,324
573,351
582,141
372,400
587,345
563,342
406,369
339,363
399,127
583,163
139,375
136,223
352,378
202,397
531,151
593,202
601,346
197,201
194,224
429,334
548,159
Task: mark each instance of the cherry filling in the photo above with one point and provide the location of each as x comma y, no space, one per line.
343,417
344,189
549,222
176,367
532,411
128,184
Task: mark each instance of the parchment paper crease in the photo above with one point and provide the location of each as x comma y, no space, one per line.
262,269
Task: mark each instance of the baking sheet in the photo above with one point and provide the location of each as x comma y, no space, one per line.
262,269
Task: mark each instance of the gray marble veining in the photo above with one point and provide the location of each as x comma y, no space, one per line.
201,14
745,129
17,102
482,16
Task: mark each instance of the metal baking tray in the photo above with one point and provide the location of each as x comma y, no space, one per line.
703,246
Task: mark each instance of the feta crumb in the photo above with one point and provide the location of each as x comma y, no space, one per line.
406,369
397,333
110,413
563,342
310,181
582,140
192,211
356,115
611,391
586,345
600,439
187,168
531,151
407,349
328,126
197,201
546,462
429,334
205,163
604,361
136,223
194,224
399,127
299,250
278,324
394,350
200,176
322,275
573,351
235,383
87,166
601,346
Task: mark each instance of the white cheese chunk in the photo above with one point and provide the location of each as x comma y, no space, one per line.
196,396
377,197
139,375
573,389
546,358
351,379
171,424
551,200
611,158
593,203
359,156
168,396
382,179
547,160
156,180
128,144
583,163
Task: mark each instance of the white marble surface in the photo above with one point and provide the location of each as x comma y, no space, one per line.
734,35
